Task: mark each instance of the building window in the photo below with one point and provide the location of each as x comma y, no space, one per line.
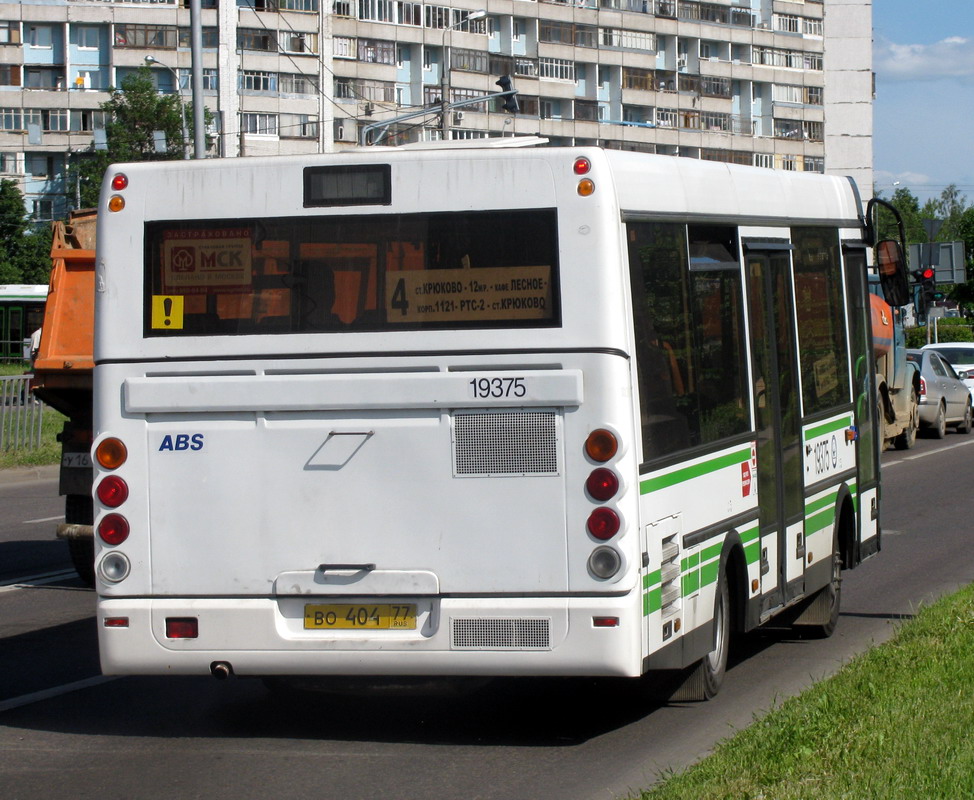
9,75
260,124
374,51
39,165
410,14
161,36
343,47
256,39
299,126
8,164
258,81
765,160
468,60
43,210
87,36
814,164
40,36
211,80
9,32
11,119
377,10
210,36
87,120
44,77
52,120
299,84
299,42
557,69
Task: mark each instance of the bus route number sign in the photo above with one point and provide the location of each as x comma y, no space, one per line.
490,294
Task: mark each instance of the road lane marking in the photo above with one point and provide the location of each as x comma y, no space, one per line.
56,691
927,453
26,581
43,519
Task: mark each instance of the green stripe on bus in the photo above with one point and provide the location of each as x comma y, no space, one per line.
688,473
691,582
752,552
652,578
823,502
652,601
690,562
828,427
711,552
747,536
819,521
708,573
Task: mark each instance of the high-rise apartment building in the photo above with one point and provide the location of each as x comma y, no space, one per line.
783,84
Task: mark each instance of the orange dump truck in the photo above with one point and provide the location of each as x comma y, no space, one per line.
897,380
63,374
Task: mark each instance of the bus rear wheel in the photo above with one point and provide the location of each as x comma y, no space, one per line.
706,677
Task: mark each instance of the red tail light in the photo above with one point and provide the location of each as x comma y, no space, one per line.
182,627
923,387
113,529
112,491
602,484
603,523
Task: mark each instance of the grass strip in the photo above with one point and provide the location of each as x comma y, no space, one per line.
896,722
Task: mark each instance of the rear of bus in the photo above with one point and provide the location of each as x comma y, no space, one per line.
367,414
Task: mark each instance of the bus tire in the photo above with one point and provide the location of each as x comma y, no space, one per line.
820,618
707,675
78,509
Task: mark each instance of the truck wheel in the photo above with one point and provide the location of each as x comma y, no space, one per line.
78,510
908,438
707,675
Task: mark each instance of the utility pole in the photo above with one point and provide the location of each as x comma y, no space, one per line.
445,71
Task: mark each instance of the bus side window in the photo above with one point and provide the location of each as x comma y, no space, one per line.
688,309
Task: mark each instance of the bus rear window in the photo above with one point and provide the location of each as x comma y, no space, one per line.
482,269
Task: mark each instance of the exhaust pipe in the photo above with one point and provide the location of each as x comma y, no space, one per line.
221,670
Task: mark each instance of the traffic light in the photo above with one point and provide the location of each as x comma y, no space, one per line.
510,102
928,284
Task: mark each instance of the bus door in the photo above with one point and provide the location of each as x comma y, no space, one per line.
864,392
774,355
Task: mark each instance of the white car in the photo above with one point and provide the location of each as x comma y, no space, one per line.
960,355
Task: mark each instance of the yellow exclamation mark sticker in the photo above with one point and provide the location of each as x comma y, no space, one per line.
167,312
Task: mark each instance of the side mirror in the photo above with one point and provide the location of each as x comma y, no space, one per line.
891,265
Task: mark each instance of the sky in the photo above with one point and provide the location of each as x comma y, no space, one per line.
923,57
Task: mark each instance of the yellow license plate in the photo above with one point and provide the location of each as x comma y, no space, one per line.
355,616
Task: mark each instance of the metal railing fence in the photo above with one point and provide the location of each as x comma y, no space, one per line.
21,414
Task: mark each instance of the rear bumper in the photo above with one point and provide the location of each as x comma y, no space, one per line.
265,636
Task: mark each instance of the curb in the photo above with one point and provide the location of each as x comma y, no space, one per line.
16,475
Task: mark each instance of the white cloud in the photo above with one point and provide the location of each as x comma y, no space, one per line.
952,57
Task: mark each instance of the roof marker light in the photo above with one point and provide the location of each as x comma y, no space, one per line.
586,188
582,166
119,181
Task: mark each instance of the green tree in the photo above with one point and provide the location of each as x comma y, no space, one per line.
134,112
25,248
909,207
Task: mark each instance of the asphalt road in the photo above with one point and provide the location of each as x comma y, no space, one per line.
67,732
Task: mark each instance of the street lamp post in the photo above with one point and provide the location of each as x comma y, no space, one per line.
445,71
150,60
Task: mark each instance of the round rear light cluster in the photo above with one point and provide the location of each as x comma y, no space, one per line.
602,486
112,491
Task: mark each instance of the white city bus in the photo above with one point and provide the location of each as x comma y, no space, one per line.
473,412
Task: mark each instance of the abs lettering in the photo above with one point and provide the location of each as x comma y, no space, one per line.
197,442
182,441
166,443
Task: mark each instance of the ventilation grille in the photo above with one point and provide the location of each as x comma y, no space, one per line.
505,443
501,634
